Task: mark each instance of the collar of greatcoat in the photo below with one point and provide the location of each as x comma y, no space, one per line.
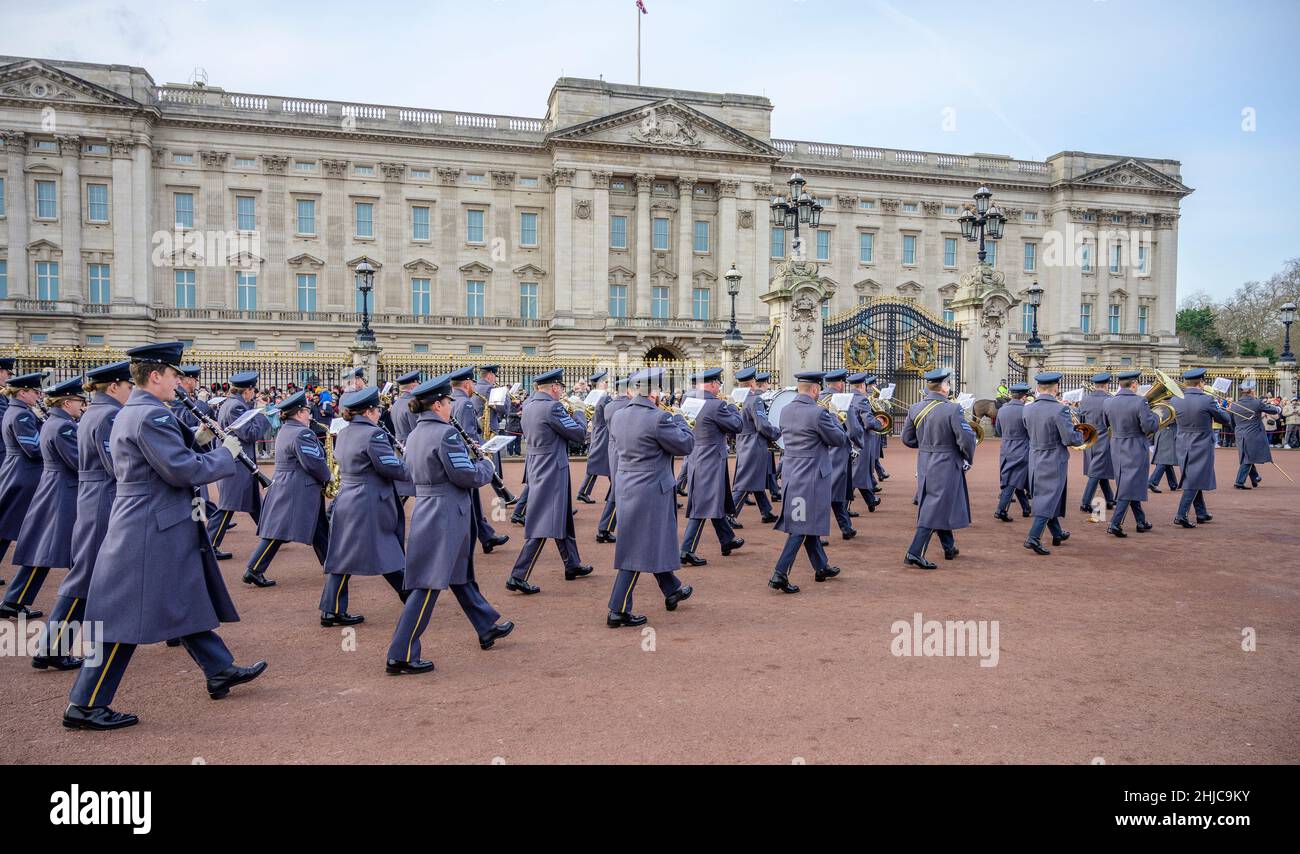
102,397
59,412
140,397
430,415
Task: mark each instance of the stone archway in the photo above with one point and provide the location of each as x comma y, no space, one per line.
662,352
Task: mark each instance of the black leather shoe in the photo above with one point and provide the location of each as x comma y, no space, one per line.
1002,514
58,662
1110,505
853,514
1256,483
577,572
1240,486
492,542
1056,541
672,600
344,619
769,518
615,620
912,560
1025,514
173,642
782,583
516,519
220,555
849,534
776,497
220,685
585,499
692,559
951,554
522,586
1154,488
681,490
728,548
9,612
734,522
97,717
397,668
1181,521
606,538
512,502
258,579
884,477
1116,531
826,572
1084,508
494,634
1201,520
232,524
824,542
1143,527
1036,547
872,505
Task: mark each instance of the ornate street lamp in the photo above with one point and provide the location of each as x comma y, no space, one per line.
800,208
733,290
365,276
1288,317
1035,343
986,220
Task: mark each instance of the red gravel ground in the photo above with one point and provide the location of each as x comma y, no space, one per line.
1122,651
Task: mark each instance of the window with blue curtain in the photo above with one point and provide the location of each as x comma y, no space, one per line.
528,300
618,232
1114,319
618,300
950,252
1085,317
184,204
474,295
701,235
97,202
659,303
419,223
306,291
101,291
306,216
473,226
246,291
527,229
1143,315
1085,258
867,247
948,315
1031,257
823,246
909,248
47,200
245,213
47,280
4,278
420,294
365,219
778,243
185,296
660,233
2,196
991,253
1026,318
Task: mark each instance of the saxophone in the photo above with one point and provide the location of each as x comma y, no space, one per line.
331,488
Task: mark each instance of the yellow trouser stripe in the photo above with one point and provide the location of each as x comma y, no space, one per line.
27,586
699,532
339,593
266,551
533,562
103,673
613,520
627,597
414,629
63,625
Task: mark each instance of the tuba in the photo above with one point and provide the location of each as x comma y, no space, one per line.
1157,397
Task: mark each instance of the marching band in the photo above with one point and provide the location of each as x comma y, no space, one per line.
106,480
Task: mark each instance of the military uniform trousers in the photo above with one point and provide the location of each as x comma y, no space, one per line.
695,527
1009,492
921,540
620,598
66,613
419,608
482,529
96,685
760,498
26,585
1190,498
1121,509
588,484
1040,522
266,550
220,523
1167,471
1247,469
1091,489
523,568
334,598
608,513
811,543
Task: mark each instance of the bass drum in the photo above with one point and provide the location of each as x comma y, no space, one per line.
775,404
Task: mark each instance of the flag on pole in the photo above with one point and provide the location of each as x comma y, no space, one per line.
640,4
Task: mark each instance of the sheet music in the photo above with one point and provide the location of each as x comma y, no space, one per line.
841,401
248,416
887,393
691,406
498,396
1075,396
496,444
337,424
1223,385
740,394
595,396
965,400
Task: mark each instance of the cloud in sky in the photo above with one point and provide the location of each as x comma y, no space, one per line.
1158,79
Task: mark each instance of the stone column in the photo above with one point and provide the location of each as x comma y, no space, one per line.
501,302
72,275
124,278
1286,377
795,303
761,221
727,244
562,180
1165,271
600,240
16,212
366,355
981,308
731,354
845,255
278,229
451,301
394,295
218,281
142,271
685,246
642,285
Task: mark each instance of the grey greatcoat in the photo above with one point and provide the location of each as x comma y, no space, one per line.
367,527
1051,432
840,460
1096,460
155,577
708,483
810,432
1165,452
4,406
295,499
1131,421
548,430
1252,441
1197,411
944,442
46,535
192,421
1013,455
862,425
96,489
611,406
598,455
753,455
240,491
647,439
440,551
21,470
403,424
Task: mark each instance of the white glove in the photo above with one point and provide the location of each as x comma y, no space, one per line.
231,443
204,436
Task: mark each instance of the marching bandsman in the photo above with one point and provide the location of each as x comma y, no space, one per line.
440,553
109,387
500,413
840,458
863,424
1197,413
155,577
1164,456
648,439
1131,421
21,470
598,450
404,422
753,448
45,539
1097,464
295,502
1013,453
1051,433
685,470
945,445
709,487
1252,441
548,430
465,412
190,383
239,493
7,364
873,389
367,527
809,432
609,513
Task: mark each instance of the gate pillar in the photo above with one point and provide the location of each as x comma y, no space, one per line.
982,308
795,303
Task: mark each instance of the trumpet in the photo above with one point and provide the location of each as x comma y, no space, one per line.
825,403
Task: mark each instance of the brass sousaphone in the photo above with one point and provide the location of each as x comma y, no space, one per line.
1157,397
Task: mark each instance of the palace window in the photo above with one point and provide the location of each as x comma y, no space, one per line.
660,233
363,170
823,246
245,162
1085,257
778,243
1116,254
527,229
182,158
950,252
865,205
4,278
246,213
420,222
909,248
1031,216
618,232
1085,317
659,303
528,300
1113,319
184,203
700,300
306,291
304,165
185,296
306,346
47,204
618,300
1031,257
247,344
701,235
909,207
867,247
474,226
420,296
1026,318
1144,312
97,202
1142,260
246,291
47,280
991,253
948,315
420,173
950,210
307,216
2,197
474,296
365,219
100,284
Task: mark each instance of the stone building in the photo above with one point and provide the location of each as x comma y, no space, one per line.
132,211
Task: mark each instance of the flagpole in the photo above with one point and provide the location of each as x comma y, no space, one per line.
638,47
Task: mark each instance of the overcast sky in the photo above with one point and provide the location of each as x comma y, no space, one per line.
1028,79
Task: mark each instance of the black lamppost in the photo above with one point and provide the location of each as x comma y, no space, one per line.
365,275
1035,300
800,208
1288,317
733,290
985,221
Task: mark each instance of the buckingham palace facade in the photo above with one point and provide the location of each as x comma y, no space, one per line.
133,211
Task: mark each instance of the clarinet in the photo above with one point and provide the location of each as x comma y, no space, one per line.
474,449
211,423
